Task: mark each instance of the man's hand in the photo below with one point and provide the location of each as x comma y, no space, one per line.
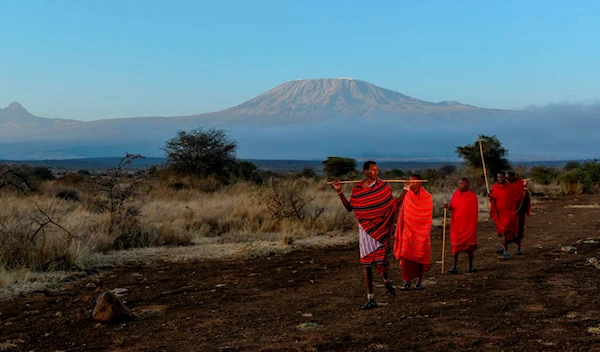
446,206
337,185
525,182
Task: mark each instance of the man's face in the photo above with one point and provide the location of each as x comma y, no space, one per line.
500,178
414,186
511,178
463,186
372,172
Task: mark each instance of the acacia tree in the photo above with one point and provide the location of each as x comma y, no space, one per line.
493,152
336,166
202,152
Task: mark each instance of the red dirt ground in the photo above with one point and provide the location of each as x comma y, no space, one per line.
546,300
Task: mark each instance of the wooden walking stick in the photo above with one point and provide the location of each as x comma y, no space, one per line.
444,237
483,162
388,181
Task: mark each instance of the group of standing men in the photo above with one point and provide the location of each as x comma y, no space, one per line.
408,218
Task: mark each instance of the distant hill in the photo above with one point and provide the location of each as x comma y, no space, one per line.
313,119
16,117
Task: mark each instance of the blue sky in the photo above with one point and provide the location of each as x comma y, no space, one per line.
105,59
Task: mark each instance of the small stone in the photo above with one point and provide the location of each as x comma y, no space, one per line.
594,330
119,291
571,315
568,249
110,309
91,286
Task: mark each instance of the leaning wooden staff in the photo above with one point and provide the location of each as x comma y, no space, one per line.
487,187
444,237
388,181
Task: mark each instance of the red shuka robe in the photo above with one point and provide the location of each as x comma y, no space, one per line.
413,234
523,205
503,209
463,221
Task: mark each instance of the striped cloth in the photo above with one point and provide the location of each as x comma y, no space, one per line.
374,207
412,244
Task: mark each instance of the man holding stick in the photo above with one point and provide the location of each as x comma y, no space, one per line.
412,244
463,223
374,207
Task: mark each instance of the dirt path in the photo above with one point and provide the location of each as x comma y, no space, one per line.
546,300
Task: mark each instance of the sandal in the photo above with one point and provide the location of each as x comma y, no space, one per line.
419,286
405,286
369,305
471,270
453,270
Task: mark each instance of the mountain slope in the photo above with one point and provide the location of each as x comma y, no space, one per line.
313,98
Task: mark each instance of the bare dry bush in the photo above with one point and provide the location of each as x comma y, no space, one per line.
287,199
33,235
114,194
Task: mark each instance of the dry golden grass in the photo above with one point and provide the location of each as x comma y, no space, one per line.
169,221
45,234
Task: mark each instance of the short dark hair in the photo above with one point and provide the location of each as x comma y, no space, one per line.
465,179
368,164
510,173
418,177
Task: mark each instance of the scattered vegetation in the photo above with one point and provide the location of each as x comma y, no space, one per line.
52,221
582,179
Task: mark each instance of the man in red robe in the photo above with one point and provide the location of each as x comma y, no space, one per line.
464,209
374,207
412,244
503,211
523,206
